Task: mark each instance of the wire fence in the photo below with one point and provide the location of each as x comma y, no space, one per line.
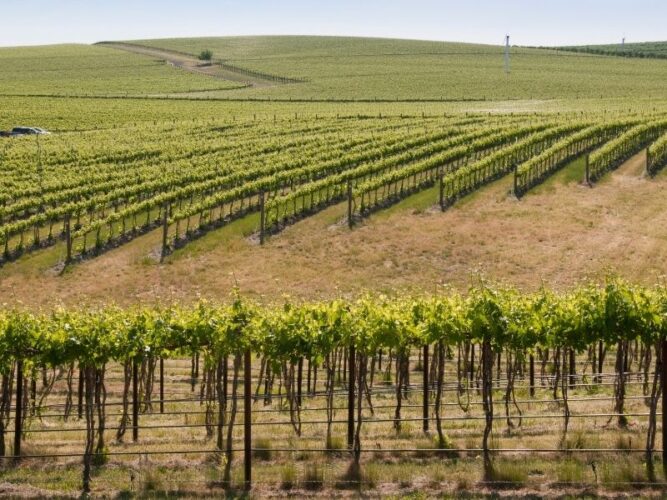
53,427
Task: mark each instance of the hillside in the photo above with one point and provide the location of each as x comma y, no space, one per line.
560,234
367,68
199,157
648,50
75,70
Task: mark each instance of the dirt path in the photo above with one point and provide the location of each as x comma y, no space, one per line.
192,64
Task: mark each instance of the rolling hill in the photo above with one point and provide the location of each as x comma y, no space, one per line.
648,50
366,68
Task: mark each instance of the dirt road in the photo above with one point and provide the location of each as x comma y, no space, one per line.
190,63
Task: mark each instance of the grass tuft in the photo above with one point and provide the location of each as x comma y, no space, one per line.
579,440
507,475
623,475
313,478
570,471
288,476
335,444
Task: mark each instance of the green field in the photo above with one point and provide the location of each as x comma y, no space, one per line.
648,50
361,68
82,70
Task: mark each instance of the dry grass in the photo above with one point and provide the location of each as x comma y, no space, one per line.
381,472
559,235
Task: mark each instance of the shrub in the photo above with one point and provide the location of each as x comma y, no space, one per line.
206,55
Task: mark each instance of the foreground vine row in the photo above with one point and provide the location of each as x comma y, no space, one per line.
497,323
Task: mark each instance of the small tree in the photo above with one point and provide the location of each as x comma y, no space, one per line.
205,55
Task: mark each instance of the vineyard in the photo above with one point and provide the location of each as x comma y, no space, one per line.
650,50
339,394
446,279
92,191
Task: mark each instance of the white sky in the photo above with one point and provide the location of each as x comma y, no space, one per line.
529,22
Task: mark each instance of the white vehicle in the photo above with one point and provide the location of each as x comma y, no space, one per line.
29,131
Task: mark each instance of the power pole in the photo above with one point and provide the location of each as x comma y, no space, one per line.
507,54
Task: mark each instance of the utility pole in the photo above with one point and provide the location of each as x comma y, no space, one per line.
507,54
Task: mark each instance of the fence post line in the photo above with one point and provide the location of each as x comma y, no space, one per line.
532,375
135,401
350,398
310,368
426,394
262,218
350,222
80,394
161,385
663,379
68,238
299,381
247,420
600,361
165,231
18,420
442,191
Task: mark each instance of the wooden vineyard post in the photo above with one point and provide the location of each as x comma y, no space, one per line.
663,380
247,420
350,399
588,169
516,182
350,222
648,162
600,361
310,367
18,419
299,381
442,191
68,239
426,388
531,369
165,231
161,385
135,401
80,395
262,218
